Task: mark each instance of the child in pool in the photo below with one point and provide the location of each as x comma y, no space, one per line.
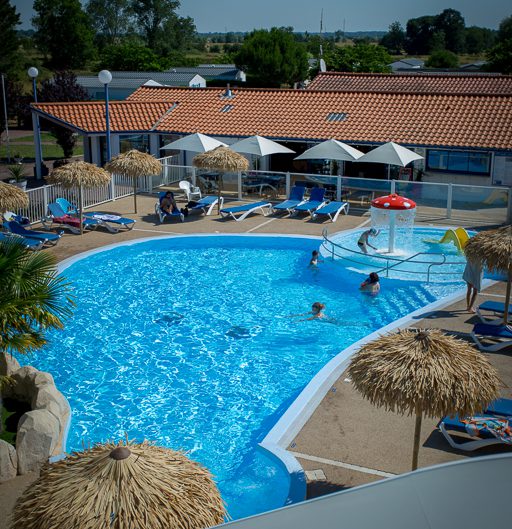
314,259
363,241
371,284
316,312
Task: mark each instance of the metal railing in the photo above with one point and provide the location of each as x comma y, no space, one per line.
395,261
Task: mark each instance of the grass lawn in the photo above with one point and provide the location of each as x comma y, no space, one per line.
51,151
45,137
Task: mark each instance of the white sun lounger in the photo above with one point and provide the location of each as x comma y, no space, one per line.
332,210
246,209
206,204
495,307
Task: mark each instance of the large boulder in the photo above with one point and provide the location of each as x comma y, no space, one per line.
8,364
8,461
26,380
38,433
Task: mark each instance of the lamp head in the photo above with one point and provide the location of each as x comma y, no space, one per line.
33,72
104,77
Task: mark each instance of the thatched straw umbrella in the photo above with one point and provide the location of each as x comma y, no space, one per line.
221,159
424,372
12,198
120,487
493,249
79,174
134,164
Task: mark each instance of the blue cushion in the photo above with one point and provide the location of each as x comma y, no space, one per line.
498,331
495,306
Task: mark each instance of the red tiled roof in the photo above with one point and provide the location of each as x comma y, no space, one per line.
365,117
124,116
417,83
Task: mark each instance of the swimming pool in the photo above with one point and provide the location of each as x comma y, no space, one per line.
187,341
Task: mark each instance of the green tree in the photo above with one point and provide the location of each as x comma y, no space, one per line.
63,32
151,16
442,59
33,298
111,18
9,41
394,39
419,35
360,58
179,34
500,55
479,39
273,57
130,57
452,24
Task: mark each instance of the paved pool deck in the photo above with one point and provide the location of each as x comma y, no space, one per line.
346,438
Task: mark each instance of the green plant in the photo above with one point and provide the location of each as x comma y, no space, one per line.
17,172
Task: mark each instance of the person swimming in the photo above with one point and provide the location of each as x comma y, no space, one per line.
363,241
315,313
371,284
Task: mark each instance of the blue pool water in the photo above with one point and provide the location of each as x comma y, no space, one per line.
188,342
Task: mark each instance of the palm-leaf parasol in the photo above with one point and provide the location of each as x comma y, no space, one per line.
134,164
424,372
79,174
221,159
493,249
120,487
12,198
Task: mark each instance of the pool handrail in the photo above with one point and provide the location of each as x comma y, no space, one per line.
397,260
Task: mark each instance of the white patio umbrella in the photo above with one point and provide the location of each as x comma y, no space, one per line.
331,150
392,154
195,142
259,146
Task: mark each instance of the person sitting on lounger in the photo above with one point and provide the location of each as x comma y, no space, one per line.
363,241
371,284
169,205
313,263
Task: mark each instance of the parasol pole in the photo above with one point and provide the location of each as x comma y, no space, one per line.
218,192
135,193
417,433
81,207
507,295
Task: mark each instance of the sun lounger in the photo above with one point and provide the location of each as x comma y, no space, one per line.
33,244
500,407
162,215
20,219
495,307
17,229
503,333
66,206
296,198
206,204
486,429
108,219
62,219
316,201
246,209
332,210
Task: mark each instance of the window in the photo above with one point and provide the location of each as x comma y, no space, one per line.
337,116
478,163
134,141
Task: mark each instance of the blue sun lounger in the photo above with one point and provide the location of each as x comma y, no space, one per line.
493,332
315,201
66,206
332,210
246,209
296,198
33,244
206,204
500,407
107,219
17,229
162,215
481,435
496,307
61,218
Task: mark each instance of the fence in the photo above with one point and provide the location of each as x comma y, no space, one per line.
477,204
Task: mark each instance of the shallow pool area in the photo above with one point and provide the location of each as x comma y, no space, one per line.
194,343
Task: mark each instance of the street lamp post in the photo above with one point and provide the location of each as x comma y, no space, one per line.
104,78
33,73
6,120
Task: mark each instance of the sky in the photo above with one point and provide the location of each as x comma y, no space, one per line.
304,15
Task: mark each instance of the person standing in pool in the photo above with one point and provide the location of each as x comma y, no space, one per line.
371,284
313,263
363,241
473,275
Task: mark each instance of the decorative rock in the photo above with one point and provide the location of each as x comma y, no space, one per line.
8,461
26,381
38,433
8,364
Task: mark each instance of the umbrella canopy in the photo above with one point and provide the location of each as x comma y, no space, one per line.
80,175
424,372
134,164
121,486
195,142
12,197
392,154
493,249
259,146
331,150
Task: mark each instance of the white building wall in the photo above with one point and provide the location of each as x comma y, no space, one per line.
502,170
